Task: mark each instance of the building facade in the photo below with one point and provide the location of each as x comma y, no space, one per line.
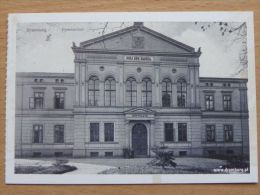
133,89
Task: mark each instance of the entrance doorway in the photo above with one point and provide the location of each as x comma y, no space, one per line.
139,139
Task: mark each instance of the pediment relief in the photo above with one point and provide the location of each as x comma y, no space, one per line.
139,110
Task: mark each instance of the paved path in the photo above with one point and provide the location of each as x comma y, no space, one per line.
84,168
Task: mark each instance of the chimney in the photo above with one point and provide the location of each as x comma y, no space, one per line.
138,24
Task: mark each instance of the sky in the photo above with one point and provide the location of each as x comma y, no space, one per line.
46,47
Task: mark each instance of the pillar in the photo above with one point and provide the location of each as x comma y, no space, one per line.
82,84
101,99
77,79
157,84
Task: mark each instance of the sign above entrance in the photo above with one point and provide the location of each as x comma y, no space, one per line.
139,58
139,116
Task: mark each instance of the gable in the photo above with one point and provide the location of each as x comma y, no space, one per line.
137,38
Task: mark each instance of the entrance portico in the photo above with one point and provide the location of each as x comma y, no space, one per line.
140,131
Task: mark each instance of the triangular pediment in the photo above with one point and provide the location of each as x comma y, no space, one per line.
139,111
136,38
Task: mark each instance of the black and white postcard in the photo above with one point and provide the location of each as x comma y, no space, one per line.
131,98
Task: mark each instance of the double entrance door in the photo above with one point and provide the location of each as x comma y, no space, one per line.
139,140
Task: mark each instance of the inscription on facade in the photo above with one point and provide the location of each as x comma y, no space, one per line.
139,58
140,115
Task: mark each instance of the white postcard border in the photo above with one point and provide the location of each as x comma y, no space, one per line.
14,19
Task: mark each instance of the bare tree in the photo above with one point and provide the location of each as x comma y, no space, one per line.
237,32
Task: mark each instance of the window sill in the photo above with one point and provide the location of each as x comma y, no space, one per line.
101,142
176,142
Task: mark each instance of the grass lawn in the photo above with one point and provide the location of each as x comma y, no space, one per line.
185,165
54,169
148,169
28,166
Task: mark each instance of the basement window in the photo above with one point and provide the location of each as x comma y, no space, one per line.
93,154
37,154
182,153
58,154
108,154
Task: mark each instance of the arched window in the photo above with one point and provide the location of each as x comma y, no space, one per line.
181,93
131,92
146,92
110,92
166,92
93,91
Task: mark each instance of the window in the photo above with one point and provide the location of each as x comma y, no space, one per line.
109,132
166,92
227,103
93,154
41,80
94,132
108,154
36,102
210,133
230,151
131,92
181,93
59,100
209,101
228,133
110,92
147,92
35,80
37,154
56,80
182,153
93,91
62,80
182,132
58,154
59,134
37,133
212,152
168,132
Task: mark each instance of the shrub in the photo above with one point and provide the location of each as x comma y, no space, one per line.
164,157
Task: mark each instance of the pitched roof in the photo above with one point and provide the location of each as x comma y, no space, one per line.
141,27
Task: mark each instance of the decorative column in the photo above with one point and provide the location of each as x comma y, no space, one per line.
192,90
139,94
101,93
157,84
127,134
197,86
86,84
101,132
77,79
152,134
174,95
175,128
120,87
82,84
